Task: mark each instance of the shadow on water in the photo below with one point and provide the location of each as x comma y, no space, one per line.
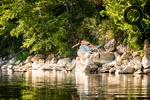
52,85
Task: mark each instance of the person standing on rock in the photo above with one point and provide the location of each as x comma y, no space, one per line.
85,46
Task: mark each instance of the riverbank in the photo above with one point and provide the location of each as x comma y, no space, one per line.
110,58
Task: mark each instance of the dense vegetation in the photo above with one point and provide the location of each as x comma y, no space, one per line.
53,26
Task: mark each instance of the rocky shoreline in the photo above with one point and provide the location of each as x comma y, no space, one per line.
111,58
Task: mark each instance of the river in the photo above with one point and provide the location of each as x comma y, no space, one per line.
56,85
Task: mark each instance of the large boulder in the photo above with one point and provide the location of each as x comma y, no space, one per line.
37,57
146,58
92,69
12,60
110,46
106,57
71,66
146,71
125,55
36,65
106,67
146,61
102,58
137,63
121,49
63,62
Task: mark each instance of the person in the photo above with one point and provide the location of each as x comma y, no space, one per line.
84,46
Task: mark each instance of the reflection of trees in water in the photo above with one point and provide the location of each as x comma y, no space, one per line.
50,85
148,86
11,86
54,85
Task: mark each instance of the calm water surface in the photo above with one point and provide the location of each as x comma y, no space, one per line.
52,85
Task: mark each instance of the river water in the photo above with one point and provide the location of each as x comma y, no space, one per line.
56,85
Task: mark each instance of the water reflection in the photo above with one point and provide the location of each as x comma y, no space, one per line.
53,85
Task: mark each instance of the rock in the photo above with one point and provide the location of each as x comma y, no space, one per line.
3,62
53,61
128,70
125,62
71,66
125,55
45,67
146,71
137,63
50,57
146,47
146,61
4,67
106,57
28,65
10,67
91,69
36,65
110,46
121,49
19,68
37,57
118,71
28,59
79,66
146,58
13,60
106,68
135,54
17,62
139,72
63,62
112,70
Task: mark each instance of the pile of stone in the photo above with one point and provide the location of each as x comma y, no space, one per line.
38,62
118,59
110,58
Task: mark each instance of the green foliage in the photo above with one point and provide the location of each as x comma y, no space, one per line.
55,25
115,9
23,55
45,25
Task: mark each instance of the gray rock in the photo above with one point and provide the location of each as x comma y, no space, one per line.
28,65
19,68
125,55
4,67
112,70
106,68
128,70
135,54
13,60
110,46
146,61
71,66
17,62
139,72
28,59
91,69
121,49
118,71
146,71
106,57
37,57
10,67
53,60
63,62
146,58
